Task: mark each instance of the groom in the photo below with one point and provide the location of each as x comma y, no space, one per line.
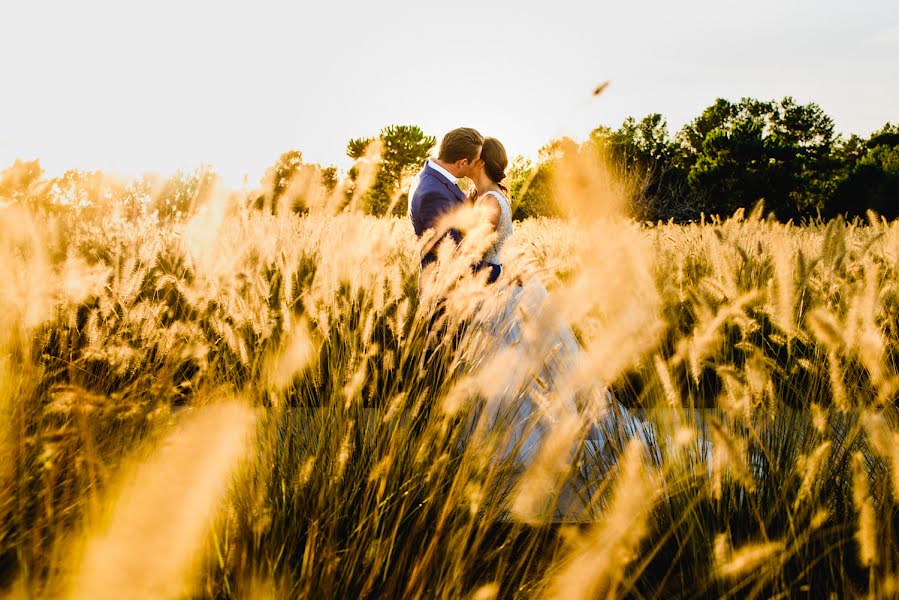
436,193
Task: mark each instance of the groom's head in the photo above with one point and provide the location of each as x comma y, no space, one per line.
460,150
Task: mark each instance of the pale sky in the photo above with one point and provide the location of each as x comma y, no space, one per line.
133,86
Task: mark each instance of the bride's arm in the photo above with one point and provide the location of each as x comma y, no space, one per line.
490,205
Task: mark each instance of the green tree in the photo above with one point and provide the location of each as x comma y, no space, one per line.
736,154
531,187
872,176
638,143
406,147
356,147
644,157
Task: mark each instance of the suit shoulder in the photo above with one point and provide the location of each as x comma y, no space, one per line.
437,198
428,179
432,188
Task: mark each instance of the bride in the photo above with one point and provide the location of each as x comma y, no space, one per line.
532,354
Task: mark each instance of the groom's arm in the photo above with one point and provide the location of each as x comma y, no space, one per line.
433,208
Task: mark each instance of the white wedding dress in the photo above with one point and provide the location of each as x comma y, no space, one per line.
529,364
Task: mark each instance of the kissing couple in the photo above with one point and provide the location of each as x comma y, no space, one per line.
528,368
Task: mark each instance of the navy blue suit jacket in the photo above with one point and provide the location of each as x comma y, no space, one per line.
435,197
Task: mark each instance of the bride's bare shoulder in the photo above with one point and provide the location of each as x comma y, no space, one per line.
488,200
490,203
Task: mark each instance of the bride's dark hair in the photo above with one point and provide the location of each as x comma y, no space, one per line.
495,161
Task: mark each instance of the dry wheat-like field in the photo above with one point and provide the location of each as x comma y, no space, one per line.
247,404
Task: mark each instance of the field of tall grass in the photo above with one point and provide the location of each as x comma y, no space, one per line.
262,404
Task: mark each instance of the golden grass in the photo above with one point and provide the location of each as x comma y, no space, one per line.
761,356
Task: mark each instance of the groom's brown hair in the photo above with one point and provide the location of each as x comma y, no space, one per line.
460,143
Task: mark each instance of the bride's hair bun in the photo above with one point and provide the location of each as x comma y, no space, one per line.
494,171
495,159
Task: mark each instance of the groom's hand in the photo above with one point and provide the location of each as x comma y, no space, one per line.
495,270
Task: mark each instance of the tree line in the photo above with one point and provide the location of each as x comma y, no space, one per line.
735,154
730,157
